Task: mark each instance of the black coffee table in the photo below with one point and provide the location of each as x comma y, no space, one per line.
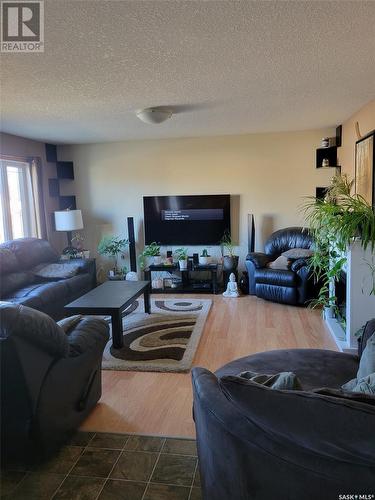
112,298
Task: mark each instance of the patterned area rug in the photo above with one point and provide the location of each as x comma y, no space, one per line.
163,341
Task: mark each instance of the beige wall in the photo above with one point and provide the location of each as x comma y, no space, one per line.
13,145
366,120
267,174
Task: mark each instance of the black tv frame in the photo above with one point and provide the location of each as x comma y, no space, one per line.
197,232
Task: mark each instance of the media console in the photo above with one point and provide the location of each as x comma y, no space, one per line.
189,283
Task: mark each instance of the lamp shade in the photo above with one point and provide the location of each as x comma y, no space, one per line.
68,220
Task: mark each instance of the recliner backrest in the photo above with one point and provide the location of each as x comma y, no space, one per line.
285,239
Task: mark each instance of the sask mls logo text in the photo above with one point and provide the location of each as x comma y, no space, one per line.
22,26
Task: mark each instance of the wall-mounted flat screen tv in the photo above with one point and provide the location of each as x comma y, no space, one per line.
186,220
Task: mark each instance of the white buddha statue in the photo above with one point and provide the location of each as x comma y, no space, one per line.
232,289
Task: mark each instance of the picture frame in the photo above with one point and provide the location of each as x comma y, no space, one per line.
364,167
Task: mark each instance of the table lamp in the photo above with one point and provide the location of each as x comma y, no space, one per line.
68,220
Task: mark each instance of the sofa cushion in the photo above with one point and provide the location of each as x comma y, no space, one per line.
13,281
45,292
365,368
8,261
30,252
314,367
298,419
276,277
360,397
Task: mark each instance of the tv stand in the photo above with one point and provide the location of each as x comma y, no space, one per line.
188,284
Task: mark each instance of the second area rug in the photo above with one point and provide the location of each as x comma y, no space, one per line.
163,341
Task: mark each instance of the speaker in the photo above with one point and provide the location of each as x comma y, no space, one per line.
250,233
132,255
195,258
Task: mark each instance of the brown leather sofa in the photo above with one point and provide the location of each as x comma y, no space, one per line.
20,285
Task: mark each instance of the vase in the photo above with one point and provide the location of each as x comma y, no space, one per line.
183,264
204,261
230,262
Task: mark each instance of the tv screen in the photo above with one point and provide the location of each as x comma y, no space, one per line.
186,220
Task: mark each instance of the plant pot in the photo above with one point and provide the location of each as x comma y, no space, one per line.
230,263
156,260
204,261
183,264
115,277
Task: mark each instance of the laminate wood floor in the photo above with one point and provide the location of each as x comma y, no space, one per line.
160,403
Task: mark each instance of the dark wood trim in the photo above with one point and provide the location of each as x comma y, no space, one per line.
369,134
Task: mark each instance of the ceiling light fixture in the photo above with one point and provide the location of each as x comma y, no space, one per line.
154,115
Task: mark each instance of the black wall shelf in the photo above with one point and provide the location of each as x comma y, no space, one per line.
67,202
329,153
65,170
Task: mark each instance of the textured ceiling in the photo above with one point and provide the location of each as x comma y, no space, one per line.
229,67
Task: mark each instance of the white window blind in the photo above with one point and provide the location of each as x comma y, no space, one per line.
18,217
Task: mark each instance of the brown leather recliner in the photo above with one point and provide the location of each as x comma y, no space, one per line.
50,378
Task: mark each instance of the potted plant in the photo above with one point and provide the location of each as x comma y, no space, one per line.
182,257
112,246
204,258
230,261
335,222
152,250
78,240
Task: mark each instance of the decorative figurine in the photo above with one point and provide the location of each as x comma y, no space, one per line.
232,289
131,276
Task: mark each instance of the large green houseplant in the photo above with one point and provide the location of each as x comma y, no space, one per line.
335,222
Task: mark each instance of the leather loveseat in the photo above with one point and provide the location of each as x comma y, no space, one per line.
258,443
50,378
293,286
20,285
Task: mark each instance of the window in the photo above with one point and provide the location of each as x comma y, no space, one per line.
18,215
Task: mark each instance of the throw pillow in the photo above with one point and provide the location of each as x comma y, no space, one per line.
281,381
366,367
298,253
56,270
280,263
359,397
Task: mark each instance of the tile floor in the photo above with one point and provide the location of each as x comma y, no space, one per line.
107,466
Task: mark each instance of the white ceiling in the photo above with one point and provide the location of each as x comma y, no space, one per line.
230,67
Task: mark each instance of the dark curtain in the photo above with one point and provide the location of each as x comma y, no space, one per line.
38,196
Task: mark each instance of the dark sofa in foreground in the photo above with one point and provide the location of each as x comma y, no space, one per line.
257,443
50,378
20,285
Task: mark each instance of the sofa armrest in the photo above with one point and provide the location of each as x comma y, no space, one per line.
299,263
88,334
259,259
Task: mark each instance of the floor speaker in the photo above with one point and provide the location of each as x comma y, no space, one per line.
250,233
132,255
